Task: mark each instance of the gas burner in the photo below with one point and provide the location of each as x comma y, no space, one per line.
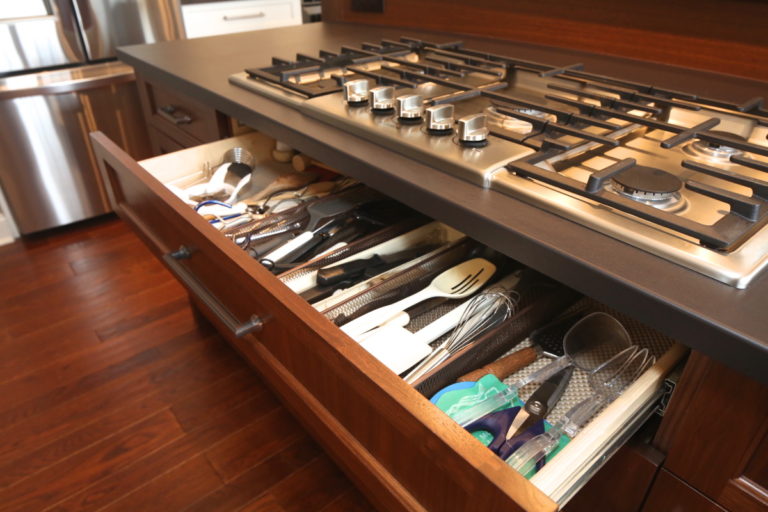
702,148
651,186
514,124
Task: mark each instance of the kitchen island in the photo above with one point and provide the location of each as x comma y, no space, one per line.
724,323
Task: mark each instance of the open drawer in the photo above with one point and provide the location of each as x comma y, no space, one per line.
402,451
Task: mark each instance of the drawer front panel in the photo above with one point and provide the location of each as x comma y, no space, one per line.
441,465
231,17
180,117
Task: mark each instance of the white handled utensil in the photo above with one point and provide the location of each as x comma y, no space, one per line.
457,282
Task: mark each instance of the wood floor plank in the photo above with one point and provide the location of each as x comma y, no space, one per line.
242,490
113,396
264,503
192,365
89,466
262,439
198,408
19,405
173,490
311,487
349,501
144,469
45,356
57,374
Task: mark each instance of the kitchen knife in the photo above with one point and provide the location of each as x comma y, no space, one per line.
353,269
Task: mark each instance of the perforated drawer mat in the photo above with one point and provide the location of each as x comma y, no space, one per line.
578,388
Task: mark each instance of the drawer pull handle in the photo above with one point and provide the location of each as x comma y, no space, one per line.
244,16
253,324
182,253
174,114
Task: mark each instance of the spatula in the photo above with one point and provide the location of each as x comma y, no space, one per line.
457,282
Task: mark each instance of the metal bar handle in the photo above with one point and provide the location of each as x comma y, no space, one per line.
188,279
237,17
174,114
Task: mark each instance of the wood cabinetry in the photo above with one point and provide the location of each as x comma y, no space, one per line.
716,436
176,121
718,35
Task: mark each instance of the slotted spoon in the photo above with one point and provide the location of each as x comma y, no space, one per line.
457,282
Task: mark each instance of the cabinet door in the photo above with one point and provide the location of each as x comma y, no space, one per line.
670,494
716,435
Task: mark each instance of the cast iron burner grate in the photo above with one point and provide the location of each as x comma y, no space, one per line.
746,214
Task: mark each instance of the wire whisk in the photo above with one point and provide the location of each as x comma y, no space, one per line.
483,312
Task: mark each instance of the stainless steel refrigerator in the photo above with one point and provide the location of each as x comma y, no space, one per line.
58,81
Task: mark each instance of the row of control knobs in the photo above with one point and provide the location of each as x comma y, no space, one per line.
410,110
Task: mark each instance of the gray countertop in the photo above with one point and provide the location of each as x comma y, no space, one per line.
725,323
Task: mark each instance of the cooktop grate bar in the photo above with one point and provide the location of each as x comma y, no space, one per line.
725,234
759,187
548,126
631,94
420,44
606,101
382,79
690,133
466,67
750,162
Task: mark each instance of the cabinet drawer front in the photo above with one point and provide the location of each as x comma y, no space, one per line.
179,117
230,17
414,454
440,465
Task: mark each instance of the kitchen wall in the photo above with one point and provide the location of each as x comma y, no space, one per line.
728,36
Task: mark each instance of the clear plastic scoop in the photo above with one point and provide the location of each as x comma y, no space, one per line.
589,344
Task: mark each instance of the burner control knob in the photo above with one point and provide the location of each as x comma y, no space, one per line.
382,99
440,119
472,130
356,92
410,108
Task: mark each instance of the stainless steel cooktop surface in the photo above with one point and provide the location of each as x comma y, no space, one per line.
677,175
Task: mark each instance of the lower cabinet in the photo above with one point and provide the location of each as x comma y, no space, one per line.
716,436
402,451
670,494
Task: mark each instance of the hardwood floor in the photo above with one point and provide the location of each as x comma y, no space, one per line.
113,398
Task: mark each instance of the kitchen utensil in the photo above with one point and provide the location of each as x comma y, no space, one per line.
457,282
506,426
353,269
319,292
322,213
266,186
607,382
487,379
591,342
483,312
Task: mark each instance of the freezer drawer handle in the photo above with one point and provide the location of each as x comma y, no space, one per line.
188,279
174,114
228,17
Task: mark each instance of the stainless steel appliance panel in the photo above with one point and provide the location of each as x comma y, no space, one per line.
38,35
47,170
107,24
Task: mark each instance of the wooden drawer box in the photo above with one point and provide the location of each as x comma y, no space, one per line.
399,449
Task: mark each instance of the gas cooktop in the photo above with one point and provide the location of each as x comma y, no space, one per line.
672,173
